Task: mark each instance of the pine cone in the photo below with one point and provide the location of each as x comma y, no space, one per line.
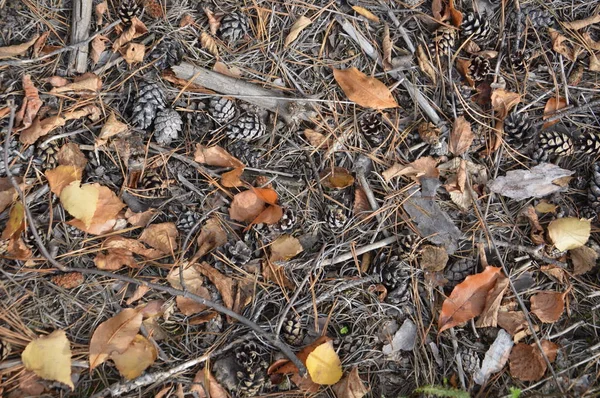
349,344
458,270
589,143
251,380
588,213
293,331
337,218
167,126
458,100
222,110
539,18
479,68
247,127
594,188
46,156
233,27
470,361
197,118
128,9
518,130
406,245
248,354
149,101
5,349
248,154
555,143
187,220
238,252
152,185
287,222
14,157
443,41
167,53
476,27
370,126
519,61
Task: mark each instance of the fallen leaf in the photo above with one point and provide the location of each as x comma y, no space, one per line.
350,386
80,201
463,67
548,306
503,102
70,155
187,20
223,69
512,321
285,248
31,104
495,357
40,43
133,53
232,178
436,9
161,236
114,335
246,206
324,365
49,357
526,363
594,65
456,16
424,64
387,48
109,205
552,105
276,273
467,300
138,294
132,362
42,127
135,30
582,23
57,81
115,259
433,258
534,183
211,236
361,206
194,283
98,46
18,250
100,10
555,272
317,139
365,91
338,178
425,166
132,245
139,219
18,49
295,30
270,215
545,207
461,136
215,156
224,284
86,82
111,128
584,259
559,44
569,232
205,382
489,315
213,21
209,44
16,222
366,13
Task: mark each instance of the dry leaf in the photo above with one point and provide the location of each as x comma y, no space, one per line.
456,16
324,365
140,354
461,136
205,382
526,363
16,50
211,236
115,259
423,167
57,81
49,357
209,44
365,91
94,229
111,128
139,219
133,53
40,43
582,23
223,69
135,30
387,47
468,298
569,232
512,321
87,82
246,206
554,104
503,101
42,127
31,104
187,20
462,65
70,155
545,207
295,30
138,294
215,156
365,13
18,250
98,47
80,201
271,215
16,222
232,178
549,348
193,281
559,44
433,258
100,10
285,248
548,306
554,272
338,178
162,237
132,245
489,315
436,9
594,62
213,22
350,386
495,357
224,284
361,207
114,335
317,139
584,259
425,65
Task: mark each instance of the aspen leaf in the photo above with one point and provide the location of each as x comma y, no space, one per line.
133,53
114,335
423,167
569,232
433,258
468,298
211,236
115,259
232,178
135,30
205,382
215,156
584,259
338,178
365,91
31,103
70,155
461,136
186,20
18,49
285,248
16,222
271,215
317,139
548,306
553,105
246,206
80,201
111,128
132,245
323,365
41,127
526,363
223,69
162,237
296,28
85,82
40,43
503,101
49,357
140,354
98,46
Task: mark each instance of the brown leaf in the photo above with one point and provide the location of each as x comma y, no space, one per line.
276,273
115,259
246,206
582,23
366,13
187,20
503,101
209,44
40,43
461,136
559,44
512,321
133,245
285,366
18,250
138,294
8,194
16,222
139,219
62,176
224,284
338,178
387,47
429,133
132,362
109,206
365,91
462,65
295,30
554,104
433,258
100,10
162,237
98,47
361,206
133,53
31,103
154,8
424,166
94,229
467,300
350,386
18,49
111,128
436,9
86,82
271,215
489,316
285,248
70,155
548,306
232,178
424,64
205,382
213,22
555,272
223,69
57,81
317,139
584,259
114,335
526,363
135,30
211,236
193,281
42,127
215,156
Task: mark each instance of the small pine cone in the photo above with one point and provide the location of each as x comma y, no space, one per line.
247,154
476,27
46,156
370,126
152,185
238,252
594,188
247,127
458,270
233,27
248,354
5,349
589,143
222,110
458,99
196,117
252,379
443,41
519,61
395,273
406,245
187,220
555,143
293,331
167,53
287,222
167,126
351,343
479,68
128,9
470,361
539,18
337,218
518,130
149,101
154,8
68,280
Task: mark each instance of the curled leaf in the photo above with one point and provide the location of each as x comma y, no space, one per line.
114,336
296,28
18,49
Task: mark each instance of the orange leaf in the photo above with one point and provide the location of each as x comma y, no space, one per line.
365,91
270,215
548,306
553,105
455,16
62,176
467,300
231,179
285,366
31,103
266,194
246,206
114,335
42,127
461,136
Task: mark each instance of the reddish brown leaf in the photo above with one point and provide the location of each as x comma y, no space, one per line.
433,258
40,43
18,250
266,194
270,215
554,104
467,300
550,349
186,20
503,101
31,103
456,16
461,136
115,259
205,382
232,178
215,156
337,178
162,237
526,363
154,8
285,366
225,285
365,91
548,306
193,281
246,206
489,316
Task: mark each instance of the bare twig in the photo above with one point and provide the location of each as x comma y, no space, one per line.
333,292
80,31
361,250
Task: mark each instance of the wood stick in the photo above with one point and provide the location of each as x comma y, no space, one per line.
80,31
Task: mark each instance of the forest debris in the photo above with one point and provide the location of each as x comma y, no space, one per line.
81,84
425,64
133,53
461,136
433,258
336,178
324,365
553,105
211,236
49,357
194,283
584,259
534,183
489,315
350,386
285,248
495,357
569,232
42,127
115,259
135,30
425,166
365,91
215,156
582,23
31,104
162,237
404,339
295,30
111,128
17,49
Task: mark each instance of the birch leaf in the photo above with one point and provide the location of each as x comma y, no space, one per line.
49,357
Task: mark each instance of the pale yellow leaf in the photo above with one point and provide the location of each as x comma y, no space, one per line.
285,247
569,232
18,49
49,357
297,27
140,354
364,90
80,201
324,365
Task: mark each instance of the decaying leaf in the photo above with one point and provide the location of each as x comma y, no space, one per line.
132,362
193,281
425,166
582,23
225,285
135,30
503,101
285,248
70,155
424,64
80,201
324,365
317,139
132,245
584,259
31,104
205,382
17,49
489,315
548,306
512,321
114,335
526,363
49,357
365,91
231,70
350,386
295,30
562,45
111,128
468,298
495,357
98,47
387,47
115,259
338,178
161,236
42,127
433,258
84,83
215,156
569,232
534,183
461,136
133,53
211,236
552,105
187,20
366,13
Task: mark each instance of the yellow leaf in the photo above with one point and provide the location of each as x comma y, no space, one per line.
16,222
49,357
140,354
297,27
114,335
569,232
365,91
80,201
365,13
61,177
323,364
